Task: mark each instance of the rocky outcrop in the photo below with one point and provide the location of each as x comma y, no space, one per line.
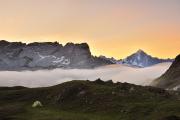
46,55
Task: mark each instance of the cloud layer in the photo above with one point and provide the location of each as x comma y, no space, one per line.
121,73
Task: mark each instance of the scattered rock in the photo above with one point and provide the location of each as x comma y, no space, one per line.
82,92
113,93
37,104
131,89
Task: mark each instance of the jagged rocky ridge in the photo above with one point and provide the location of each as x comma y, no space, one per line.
113,60
47,55
171,78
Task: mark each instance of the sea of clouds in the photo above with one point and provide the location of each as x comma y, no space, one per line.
121,73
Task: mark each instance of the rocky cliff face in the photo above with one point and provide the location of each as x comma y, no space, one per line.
17,56
171,78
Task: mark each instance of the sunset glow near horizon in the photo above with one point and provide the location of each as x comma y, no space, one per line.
114,28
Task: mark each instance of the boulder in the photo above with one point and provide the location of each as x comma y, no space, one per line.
37,104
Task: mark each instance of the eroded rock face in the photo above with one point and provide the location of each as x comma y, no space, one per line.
18,56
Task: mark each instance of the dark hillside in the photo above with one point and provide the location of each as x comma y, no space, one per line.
85,100
171,78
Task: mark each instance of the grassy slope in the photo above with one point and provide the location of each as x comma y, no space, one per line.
171,78
84,100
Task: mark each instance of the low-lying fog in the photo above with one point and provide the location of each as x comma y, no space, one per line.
121,73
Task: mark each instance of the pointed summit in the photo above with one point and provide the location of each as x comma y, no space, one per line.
140,51
142,59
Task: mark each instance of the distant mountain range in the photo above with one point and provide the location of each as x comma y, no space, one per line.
171,78
47,55
139,59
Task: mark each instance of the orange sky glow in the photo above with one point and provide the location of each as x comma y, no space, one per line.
115,28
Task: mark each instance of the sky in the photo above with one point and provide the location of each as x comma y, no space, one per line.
115,28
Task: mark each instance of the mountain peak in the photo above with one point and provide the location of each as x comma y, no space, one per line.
140,51
142,59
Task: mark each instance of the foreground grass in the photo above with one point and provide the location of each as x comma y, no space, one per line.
84,100
138,111
55,114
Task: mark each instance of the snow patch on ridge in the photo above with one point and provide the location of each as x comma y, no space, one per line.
55,60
